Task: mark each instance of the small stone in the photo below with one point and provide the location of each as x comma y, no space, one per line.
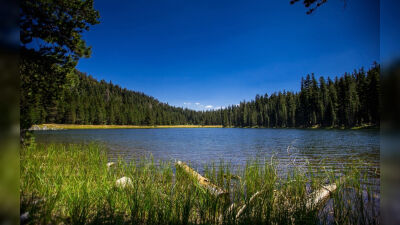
110,164
24,217
124,182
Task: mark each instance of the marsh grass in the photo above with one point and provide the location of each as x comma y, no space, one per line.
71,184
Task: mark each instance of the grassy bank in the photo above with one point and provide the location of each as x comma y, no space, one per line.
71,184
82,126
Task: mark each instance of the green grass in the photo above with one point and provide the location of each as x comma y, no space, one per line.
71,184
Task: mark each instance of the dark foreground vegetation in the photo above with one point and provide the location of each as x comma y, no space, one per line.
72,184
347,101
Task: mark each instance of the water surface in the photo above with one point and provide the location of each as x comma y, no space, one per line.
199,146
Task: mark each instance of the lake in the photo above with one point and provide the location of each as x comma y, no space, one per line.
199,146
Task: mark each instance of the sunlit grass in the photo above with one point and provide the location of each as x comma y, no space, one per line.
71,184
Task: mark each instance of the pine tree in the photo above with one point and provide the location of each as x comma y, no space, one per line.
374,94
332,103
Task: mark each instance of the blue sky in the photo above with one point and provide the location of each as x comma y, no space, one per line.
390,32
218,53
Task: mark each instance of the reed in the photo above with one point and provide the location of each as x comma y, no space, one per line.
71,184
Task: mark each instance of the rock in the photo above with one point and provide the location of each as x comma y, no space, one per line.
35,127
124,182
44,127
24,218
110,164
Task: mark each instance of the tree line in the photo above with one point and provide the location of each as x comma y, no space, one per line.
346,101
85,100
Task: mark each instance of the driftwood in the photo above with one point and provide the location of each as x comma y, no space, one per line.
204,182
318,197
241,210
232,176
314,199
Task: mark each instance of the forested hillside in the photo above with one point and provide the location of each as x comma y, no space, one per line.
349,100
346,101
85,100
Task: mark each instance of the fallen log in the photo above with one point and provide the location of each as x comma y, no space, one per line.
315,199
241,210
227,212
232,176
204,182
318,197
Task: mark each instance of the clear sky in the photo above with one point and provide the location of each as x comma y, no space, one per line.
218,53
390,32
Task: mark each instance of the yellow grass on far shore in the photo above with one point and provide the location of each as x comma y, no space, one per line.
53,126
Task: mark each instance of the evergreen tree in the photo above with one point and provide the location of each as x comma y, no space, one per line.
348,101
45,68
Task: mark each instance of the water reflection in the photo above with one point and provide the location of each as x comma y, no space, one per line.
331,148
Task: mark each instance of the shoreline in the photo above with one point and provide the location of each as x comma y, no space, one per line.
53,126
